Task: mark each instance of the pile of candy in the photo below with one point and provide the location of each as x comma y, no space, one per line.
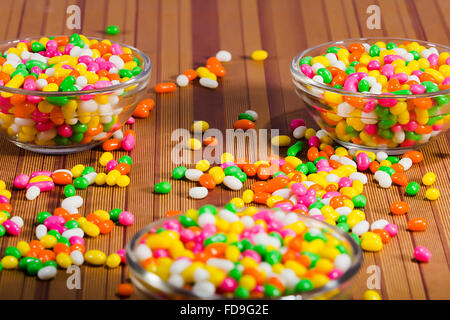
64,64
8,224
381,68
253,253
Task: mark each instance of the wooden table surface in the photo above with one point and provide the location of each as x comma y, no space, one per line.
181,34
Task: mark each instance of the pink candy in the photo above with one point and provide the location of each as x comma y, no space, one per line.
126,218
362,161
392,229
297,123
11,227
128,142
21,181
422,254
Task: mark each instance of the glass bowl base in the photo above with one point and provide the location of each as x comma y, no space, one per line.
56,150
389,151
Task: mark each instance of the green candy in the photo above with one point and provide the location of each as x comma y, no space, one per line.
411,135
125,73
136,70
42,216
241,176
311,167
36,46
325,74
271,291
126,159
316,160
261,249
69,191
333,49
318,205
187,222
24,262
230,207
59,101
393,159
350,70
108,126
163,187
112,30
60,140
246,244
33,267
71,224
278,173
374,51
54,233
391,45
305,60
310,237
359,201
341,219
178,172
67,83
402,92
35,63
312,257
273,257
302,168
341,248
415,54
81,183
79,127
387,169
338,86
64,240
385,133
356,238
115,213
245,116
13,251
2,231
412,188
77,137
295,149
87,170
354,63
229,171
275,234
207,208
50,263
363,86
241,293
343,226
235,273
217,238
75,37
304,285
22,72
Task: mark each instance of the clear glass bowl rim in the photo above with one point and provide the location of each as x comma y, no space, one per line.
133,81
298,75
156,281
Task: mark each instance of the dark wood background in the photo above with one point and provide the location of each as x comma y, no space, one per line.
181,34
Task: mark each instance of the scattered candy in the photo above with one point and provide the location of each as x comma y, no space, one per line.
112,30
432,194
422,254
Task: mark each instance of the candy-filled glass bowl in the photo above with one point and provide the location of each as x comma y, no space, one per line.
88,96
367,97
156,275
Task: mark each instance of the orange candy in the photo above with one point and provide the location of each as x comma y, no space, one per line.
399,207
61,248
77,247
264,172
249,169
384,235
106,226
171,213
207,181
62,178
399,178
277,183
124,290
143,108
46,255
123,168
417,224
244,124
312,154
374,166
5,207
190,74
210,141
415,156
261,197
112,144
165,87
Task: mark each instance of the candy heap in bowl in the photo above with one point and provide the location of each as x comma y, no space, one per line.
66,94
391,94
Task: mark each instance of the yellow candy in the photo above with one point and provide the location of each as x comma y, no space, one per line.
248,282
95,257
9,262
226,157
63,260
259,55
248,196
100,179
298,268
232,253
48,241
371,295
90,229
432,194
202,165
429,178
105,158
2,185
371,242
5,193
199,126
123,181
294,161
238,202
309,133
113,260
77,170
23,247
273,200
102,214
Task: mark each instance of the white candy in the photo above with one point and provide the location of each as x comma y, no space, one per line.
285,193
315,212
299,132
343,211
198,192
47,273
41,83
381,155
88,106
77,257
206,218
343,262
406,163
359,176
223,56
143,252
319,79
176,280
347,161
208,83
369,117
204,289
379,224
193,174
17,220
72,202
32,193
267,269
222,264
344,109
179,265
182,80
321,133
331,57
233,183
117,61
332,178
41,230
379,175
399,136
91,177
118,134
247,221
74,232
201,274
252,113
75,51
227,215
361,228
316,66
385,181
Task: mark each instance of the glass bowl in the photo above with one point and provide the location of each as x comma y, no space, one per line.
368,121
31,119
151,286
